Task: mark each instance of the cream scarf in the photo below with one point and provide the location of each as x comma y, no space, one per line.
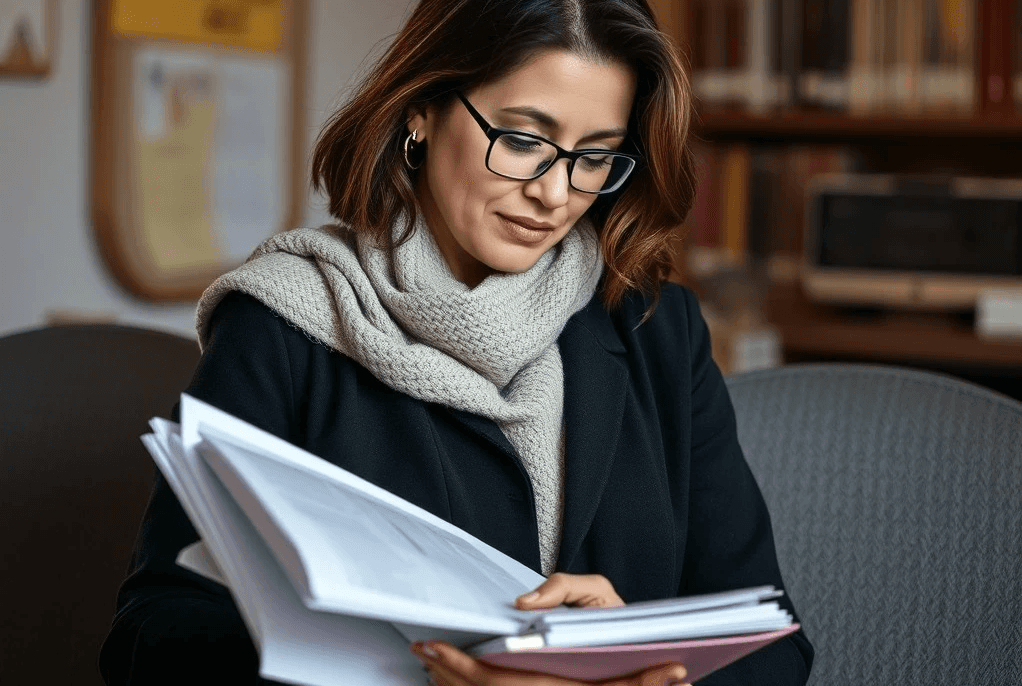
490,350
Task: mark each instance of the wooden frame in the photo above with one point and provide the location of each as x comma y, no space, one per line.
136,196
19,60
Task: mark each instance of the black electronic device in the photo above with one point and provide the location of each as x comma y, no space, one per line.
928,243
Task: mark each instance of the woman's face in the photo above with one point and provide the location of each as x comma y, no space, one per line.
480,220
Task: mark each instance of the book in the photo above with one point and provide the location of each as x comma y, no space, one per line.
334,575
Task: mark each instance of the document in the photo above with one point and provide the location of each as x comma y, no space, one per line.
334,575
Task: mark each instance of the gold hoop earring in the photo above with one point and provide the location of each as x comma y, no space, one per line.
410,146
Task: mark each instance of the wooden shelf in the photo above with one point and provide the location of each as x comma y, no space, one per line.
792,126
813,330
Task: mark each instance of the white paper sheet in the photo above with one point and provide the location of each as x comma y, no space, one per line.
250,157
295,644
252,153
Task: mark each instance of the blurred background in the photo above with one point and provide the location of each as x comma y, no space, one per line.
859,165
53,265
858,177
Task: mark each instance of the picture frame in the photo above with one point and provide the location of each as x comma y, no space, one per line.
197,147
28,37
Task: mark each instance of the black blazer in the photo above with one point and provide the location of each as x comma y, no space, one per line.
658,496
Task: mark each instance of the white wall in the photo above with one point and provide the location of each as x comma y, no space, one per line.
49,260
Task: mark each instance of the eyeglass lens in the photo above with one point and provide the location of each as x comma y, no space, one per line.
524,158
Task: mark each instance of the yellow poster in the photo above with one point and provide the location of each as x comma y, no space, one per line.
255,24
176,125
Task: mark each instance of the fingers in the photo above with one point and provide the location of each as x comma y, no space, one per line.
665,675
441,675
581,590
450,666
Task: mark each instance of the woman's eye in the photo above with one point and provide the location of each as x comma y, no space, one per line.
595,163
520,143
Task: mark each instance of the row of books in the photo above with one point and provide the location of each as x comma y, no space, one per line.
863,57
746,230
750,204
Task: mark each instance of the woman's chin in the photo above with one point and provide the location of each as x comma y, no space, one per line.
518,265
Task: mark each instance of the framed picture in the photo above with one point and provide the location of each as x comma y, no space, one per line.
197,147
28,33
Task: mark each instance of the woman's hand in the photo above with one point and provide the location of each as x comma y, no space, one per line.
448,666
577,590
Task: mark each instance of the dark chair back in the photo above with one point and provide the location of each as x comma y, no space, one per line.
896,500
75,480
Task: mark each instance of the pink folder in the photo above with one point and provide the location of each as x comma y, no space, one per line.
593,663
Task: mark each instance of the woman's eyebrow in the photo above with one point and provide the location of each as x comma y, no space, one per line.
549,123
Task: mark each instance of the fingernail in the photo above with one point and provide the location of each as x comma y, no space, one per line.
421,648
529,597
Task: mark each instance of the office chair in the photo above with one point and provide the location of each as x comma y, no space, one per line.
75,481
896,501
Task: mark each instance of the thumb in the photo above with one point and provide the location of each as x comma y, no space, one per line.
581,590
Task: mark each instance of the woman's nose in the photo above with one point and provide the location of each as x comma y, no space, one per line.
552,187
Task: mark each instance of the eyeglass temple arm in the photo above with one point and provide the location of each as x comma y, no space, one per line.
485,125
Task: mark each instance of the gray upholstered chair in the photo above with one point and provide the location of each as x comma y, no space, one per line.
896,500
74,480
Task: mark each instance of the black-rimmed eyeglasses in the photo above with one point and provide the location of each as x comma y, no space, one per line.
525,156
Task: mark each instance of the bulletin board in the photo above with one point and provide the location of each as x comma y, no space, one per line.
197,136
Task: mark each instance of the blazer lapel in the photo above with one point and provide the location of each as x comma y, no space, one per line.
486,428
595,383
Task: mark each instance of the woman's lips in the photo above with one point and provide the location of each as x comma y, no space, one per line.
524,233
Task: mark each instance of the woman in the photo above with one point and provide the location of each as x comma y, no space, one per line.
487,335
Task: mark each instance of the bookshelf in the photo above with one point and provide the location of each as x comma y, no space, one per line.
835,128
884,86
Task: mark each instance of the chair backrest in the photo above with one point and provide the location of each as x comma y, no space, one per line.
896,501
75,480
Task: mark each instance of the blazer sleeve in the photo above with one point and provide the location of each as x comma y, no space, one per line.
173,626
730,541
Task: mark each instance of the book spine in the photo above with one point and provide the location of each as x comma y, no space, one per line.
762,203
791,50
735,202
995,82
712,80
705,217
1017,57
759,81
736,51
702,228
779,84
910,56
862,77
889,55
812,57
837,35
698,11
825,58
930,94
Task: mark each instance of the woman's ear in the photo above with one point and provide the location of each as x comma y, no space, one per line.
416,121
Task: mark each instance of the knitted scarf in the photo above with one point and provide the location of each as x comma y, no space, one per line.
489,350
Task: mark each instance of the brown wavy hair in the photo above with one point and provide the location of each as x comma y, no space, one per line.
447,45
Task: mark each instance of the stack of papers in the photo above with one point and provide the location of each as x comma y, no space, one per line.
335,576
